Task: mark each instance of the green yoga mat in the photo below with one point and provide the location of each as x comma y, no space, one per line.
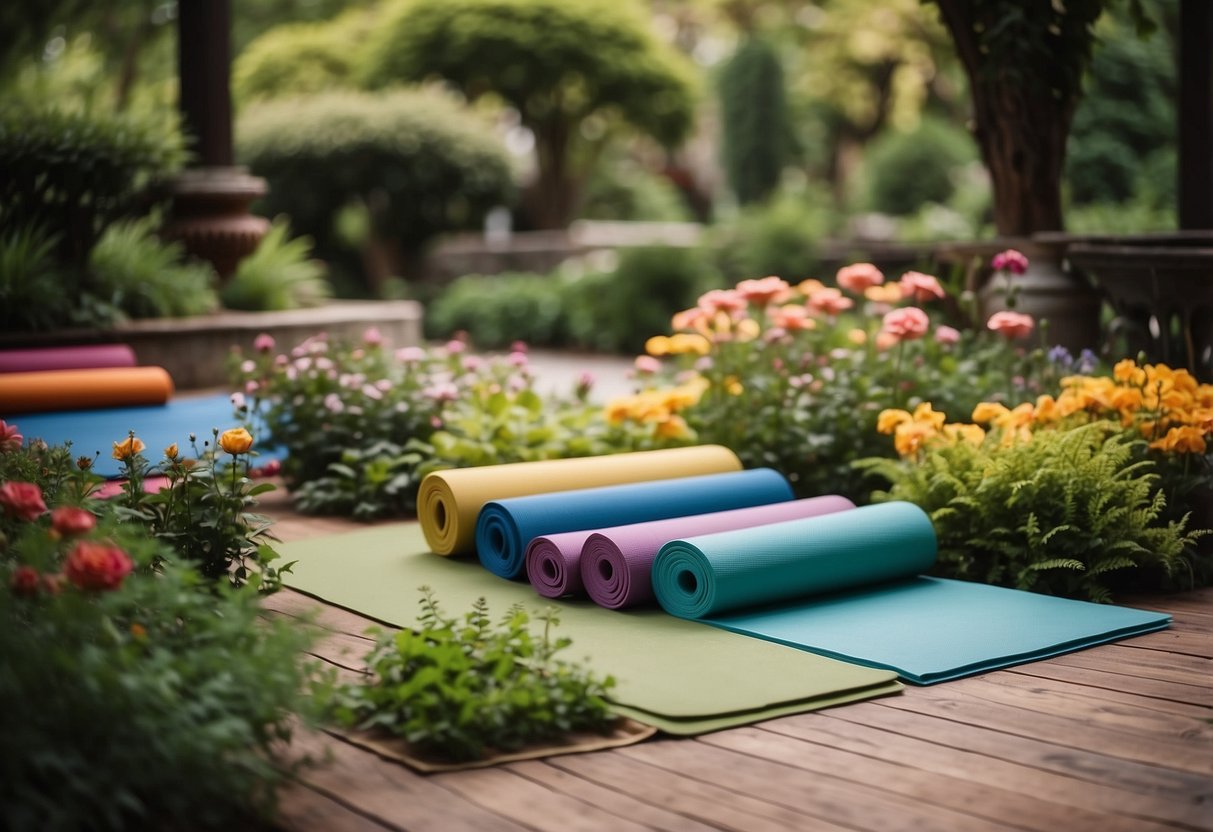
678,675
846,585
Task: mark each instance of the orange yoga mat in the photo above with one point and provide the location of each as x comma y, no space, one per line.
47,390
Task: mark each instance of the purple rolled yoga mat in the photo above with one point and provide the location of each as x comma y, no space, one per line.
553,563
88,357
616,563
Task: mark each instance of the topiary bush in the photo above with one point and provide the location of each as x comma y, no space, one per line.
418,161
301,58
755,129
779,237
497,310
902,171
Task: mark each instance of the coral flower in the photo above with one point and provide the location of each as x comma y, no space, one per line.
68,520
1011,325
97,566
906,324
946,335
858,277
1010,261
236,441
729,301
888,293
792,317
127,448
830,301
22,500
687,318
921,287
764,291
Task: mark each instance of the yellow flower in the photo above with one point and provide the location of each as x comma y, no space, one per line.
1017,418
1182,440
808,287
127,448
910,437
962,432
885,293
171,451
1126,371
1047,409
674,427
857,336
889,419
658,345
618,409
989,412
928,415
732,386
685,342
235,441
748,329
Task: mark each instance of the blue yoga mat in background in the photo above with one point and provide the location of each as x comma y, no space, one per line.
846,585
505,527
158,426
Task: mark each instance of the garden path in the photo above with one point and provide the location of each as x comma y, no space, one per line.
1117,737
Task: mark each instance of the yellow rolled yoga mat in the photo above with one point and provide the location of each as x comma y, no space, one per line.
449,501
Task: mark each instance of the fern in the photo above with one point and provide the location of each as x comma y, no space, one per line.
279,275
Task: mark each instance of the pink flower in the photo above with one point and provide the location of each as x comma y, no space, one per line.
585,383
372,337
270,469
859,277
1010,261
764,291
68,520
442,392
25,581
410,355
517,359
10,440
946,335
455,346
728,301
333,403
472,363
1011,325
518,346
792,318
97,566
921,287
22,500
647,364
687,318
248,366
238,400
251,387
263,342
372,392
906,324
829,301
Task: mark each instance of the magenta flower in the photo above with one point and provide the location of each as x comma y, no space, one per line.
263,342
10,439
1010,261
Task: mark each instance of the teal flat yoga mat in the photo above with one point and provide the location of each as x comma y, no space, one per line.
505,527
158,426
675,674
846,585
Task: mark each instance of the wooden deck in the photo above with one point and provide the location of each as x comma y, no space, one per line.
1114,738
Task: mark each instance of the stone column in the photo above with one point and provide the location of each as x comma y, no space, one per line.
1195,114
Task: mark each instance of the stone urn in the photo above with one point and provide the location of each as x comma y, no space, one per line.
210,215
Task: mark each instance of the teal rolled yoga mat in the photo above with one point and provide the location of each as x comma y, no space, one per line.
505,527
846,585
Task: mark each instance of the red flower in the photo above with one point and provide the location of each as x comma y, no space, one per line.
97,566
69,520
22,500
25,581
1011,325
906,324
10,439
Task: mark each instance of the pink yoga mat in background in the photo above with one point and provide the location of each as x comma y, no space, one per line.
616,563
87,357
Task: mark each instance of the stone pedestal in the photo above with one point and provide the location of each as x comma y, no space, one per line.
210,215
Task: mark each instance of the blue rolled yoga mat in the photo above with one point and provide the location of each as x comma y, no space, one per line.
846,585
505,527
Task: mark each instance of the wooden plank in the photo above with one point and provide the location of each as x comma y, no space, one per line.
1174,641
302,808
980,800
941,748
1173,697
389,792
618,802
1148,664
708,803
531,804
829,798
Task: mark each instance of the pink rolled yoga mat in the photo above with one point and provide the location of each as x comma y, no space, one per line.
615,563
85,357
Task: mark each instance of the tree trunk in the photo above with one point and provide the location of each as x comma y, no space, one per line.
551,199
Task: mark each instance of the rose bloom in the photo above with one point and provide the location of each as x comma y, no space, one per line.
25,581
829,301
10,439
1010,261
263,342
764,291
68,520
235,441
792,317
728,301
22,500
921,287
946,335
127,448
1011,325
858,277
906,324
97,566
688,318
372,337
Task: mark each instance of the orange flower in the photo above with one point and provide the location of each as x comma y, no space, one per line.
988,412
674,427
888,293
830,301
808,286
658,345
1182,440
127,448
236,441
1126,371
792,317
890,418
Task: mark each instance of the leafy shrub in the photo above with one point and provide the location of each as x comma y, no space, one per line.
278,275
135,693
141,276
777,237
497,310
301,58
454,689
418,161
904,171
74,173
1066,512
622,189
31,285
756,132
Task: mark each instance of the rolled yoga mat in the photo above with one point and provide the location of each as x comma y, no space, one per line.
616,563
66,358
448,502
678,675
55,390
846,585
505,528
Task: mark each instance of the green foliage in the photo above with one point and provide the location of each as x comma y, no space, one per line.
779,237
139,275
1069,512
31,293
379,480
622,189
497,310
754,120
458,689
74,173
301,58
419,162
158,700
903,172
279,275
